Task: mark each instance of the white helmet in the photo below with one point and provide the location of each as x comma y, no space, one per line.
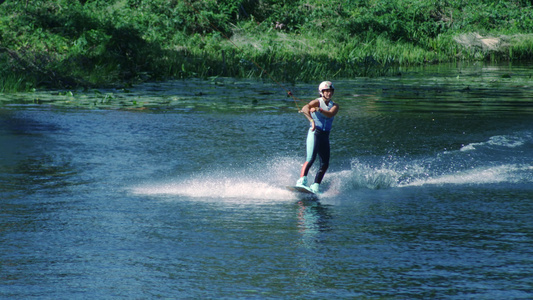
325,85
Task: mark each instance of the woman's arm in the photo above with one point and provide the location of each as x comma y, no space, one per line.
308,109
330,113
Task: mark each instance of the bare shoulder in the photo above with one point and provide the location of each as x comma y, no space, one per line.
314,103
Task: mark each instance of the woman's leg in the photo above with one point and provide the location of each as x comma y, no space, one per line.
323,151
311,153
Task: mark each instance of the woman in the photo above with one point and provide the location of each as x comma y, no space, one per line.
320,113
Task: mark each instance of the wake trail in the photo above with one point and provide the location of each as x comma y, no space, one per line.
502,159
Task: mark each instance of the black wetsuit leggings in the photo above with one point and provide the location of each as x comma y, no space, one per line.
317,144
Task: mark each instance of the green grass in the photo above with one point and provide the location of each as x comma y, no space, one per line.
64,44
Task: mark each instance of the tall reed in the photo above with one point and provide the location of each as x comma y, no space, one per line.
63,44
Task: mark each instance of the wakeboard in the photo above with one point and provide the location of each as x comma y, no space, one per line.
302,191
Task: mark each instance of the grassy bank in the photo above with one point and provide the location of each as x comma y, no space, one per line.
69,44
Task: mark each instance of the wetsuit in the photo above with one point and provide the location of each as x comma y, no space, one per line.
318,142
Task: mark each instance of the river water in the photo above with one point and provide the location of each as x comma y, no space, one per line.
177,190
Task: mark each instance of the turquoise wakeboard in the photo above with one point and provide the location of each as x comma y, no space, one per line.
301,190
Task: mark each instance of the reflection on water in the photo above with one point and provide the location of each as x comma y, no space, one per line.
312,220
37,175
449,88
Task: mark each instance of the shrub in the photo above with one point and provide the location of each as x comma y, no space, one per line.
63,43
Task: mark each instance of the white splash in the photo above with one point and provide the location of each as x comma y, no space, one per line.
485,175
254,182
217,188
505,141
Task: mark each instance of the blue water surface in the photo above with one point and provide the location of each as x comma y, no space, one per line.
429,193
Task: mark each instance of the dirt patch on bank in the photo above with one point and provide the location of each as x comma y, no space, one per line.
475,40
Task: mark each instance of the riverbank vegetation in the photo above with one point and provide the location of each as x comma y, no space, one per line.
87,43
